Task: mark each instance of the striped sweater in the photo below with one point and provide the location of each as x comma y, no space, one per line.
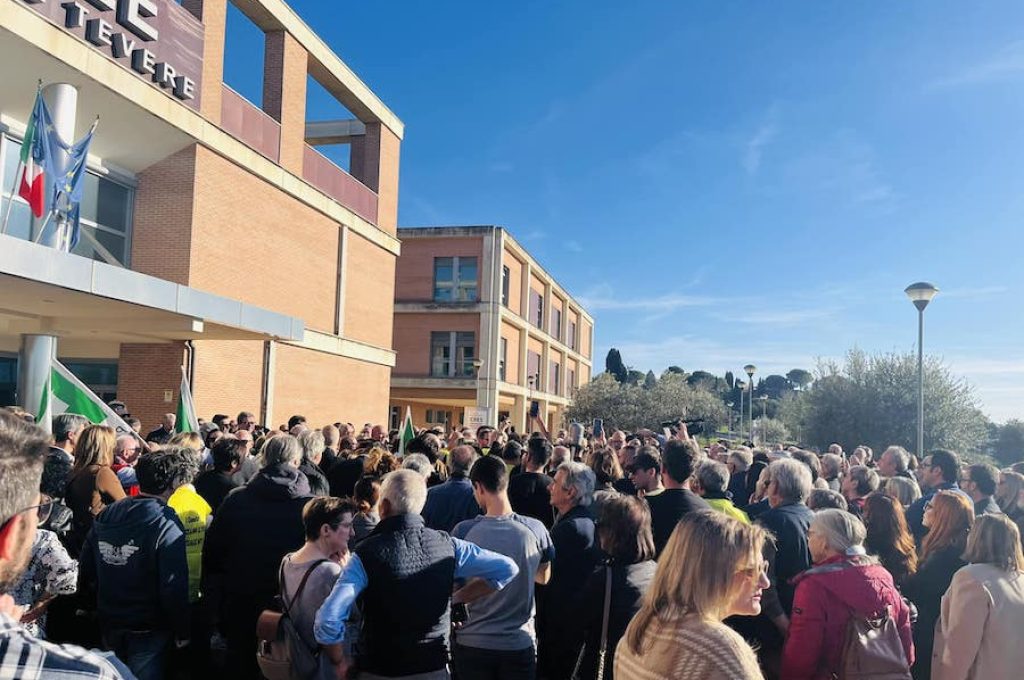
687,649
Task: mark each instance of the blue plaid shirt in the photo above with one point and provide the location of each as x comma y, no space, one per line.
29,658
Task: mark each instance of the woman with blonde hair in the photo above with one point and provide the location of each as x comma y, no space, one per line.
92,484
188,440
903,489
1008,495
712,568
978,637
948,516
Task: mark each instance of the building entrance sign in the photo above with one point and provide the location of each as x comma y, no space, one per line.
157,39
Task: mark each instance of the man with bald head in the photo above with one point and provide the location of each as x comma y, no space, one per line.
250,464
332,440
452,502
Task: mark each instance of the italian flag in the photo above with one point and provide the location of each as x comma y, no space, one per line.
31,187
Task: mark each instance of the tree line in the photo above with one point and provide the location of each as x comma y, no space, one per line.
861,399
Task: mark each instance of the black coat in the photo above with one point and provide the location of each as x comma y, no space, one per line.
925,589
344,474
792,555
629,583
576,555
251,532
667,508
318,485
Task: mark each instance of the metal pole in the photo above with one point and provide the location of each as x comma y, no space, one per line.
62,100
920,383
750,408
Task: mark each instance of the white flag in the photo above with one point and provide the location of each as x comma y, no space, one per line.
68,394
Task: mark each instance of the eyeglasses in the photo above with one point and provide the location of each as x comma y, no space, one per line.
43,510
761,569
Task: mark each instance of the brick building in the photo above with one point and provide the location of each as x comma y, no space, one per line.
215,235
479,324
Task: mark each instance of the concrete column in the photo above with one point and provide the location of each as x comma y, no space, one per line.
214,15
34,372
490,319
545,368
284,94
62,100
374,161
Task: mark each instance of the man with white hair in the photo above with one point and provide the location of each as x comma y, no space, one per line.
788,520
895,462
404,572
252,531
576,555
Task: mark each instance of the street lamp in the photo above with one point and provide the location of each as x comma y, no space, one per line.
920,293
729,404
750,370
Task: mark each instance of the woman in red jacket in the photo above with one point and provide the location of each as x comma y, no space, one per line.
845,581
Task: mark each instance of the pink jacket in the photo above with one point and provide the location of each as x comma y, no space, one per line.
821,611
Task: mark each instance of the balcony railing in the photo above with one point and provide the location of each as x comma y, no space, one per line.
250,124
322,173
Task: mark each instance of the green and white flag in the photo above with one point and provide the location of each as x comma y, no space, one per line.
68,394
407,434
186,420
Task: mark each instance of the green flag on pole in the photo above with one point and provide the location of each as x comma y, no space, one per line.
68,394
186,411
407,434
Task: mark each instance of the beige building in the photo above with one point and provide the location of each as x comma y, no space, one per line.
215,234
480,325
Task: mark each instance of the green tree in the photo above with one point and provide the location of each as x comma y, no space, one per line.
1009,447
649,380
774,386
730,380
613,364
632,407
635,377
800,378
676,369
873,400
702,379
771,431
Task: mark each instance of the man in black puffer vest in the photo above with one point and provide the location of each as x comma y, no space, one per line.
405,573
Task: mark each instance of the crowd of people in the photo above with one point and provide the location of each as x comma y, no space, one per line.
331,551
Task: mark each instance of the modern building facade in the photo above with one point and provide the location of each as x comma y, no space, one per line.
479,324
215,235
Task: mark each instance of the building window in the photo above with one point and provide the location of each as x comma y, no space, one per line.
536,309
105,216
533,369
395,418
452,354
556,324
572,379
455,279
438,417
571,340
504,359
505,277
553,385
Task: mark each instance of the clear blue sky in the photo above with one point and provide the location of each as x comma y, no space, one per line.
725,182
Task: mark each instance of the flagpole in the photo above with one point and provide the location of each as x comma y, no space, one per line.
10,200
42,227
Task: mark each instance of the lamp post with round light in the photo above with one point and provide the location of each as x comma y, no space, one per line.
920,293
750,369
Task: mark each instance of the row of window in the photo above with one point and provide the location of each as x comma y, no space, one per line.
453,355
536,311
105,211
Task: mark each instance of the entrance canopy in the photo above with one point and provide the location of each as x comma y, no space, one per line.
49,292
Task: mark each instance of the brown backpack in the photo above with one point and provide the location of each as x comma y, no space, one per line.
873,649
